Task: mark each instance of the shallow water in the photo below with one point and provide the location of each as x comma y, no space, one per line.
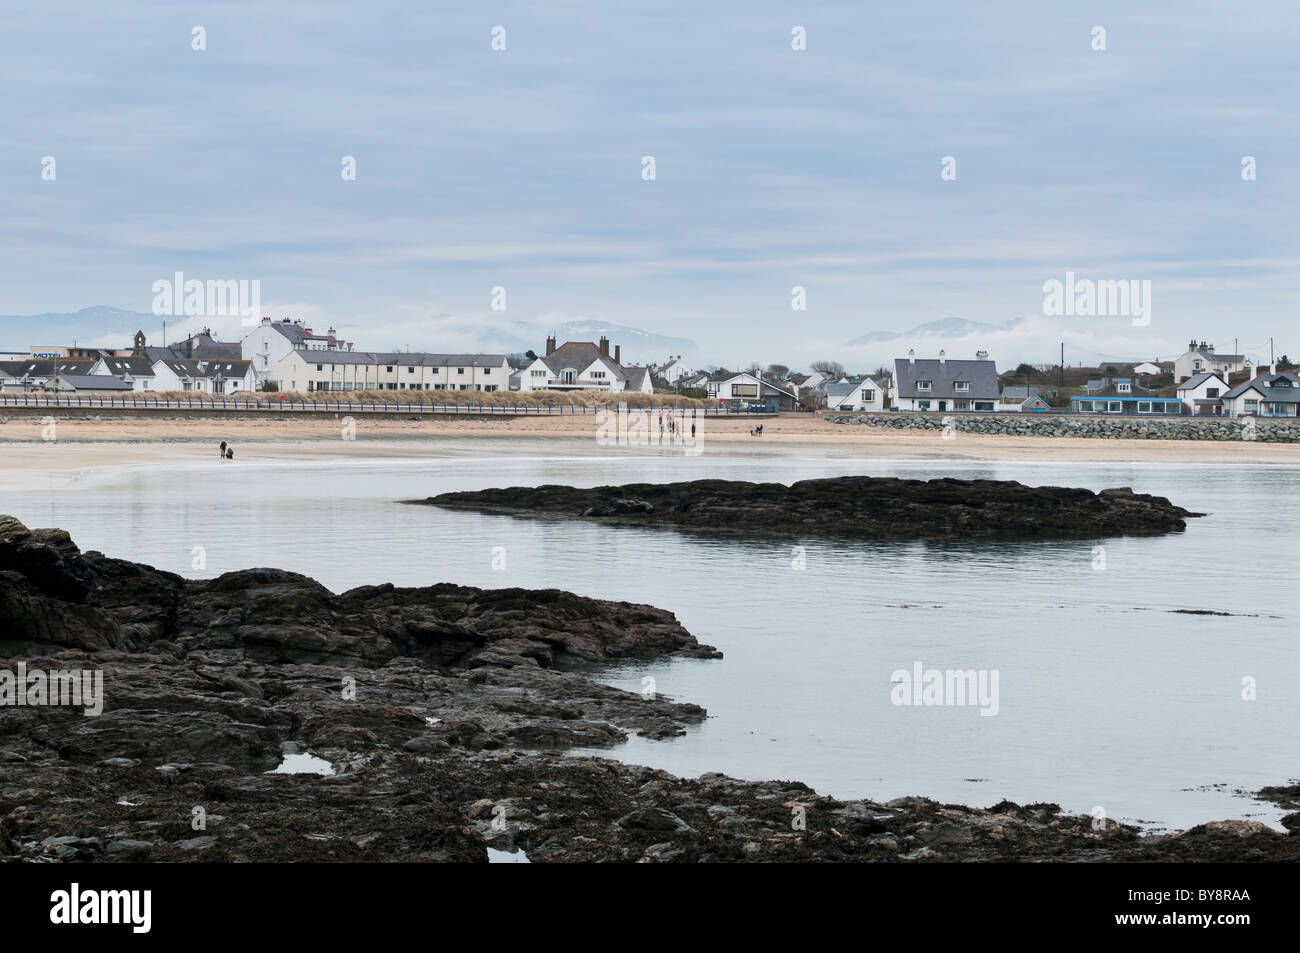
1107,696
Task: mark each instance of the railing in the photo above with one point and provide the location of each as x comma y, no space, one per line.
87,402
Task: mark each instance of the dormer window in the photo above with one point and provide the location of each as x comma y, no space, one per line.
925,385
1123,388
963,386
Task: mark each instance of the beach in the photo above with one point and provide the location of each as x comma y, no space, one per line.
134,441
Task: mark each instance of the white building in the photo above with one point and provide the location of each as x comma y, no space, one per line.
864,394
739,390
674,370
941,385
1203,394
1201,358
136,371
312,371
204,377
268,344
581,365
1268,395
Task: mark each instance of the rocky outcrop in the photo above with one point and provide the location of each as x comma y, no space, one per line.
858,507
1104,427
438,718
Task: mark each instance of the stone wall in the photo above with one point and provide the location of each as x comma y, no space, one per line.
1263,429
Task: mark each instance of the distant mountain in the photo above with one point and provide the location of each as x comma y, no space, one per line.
639,347
96,326
943,328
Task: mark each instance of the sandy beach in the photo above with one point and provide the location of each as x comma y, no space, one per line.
134,441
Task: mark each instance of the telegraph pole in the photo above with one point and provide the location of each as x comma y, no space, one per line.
1062,363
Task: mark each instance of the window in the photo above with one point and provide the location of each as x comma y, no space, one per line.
464,387
598,374
961,386
410,370
437,386
1114,407
1252,406
460,370
983,405
961,405
320,367
488,370
922,405
868,396
1123,387
539,373
1144,406
389,368
925,385
1196,365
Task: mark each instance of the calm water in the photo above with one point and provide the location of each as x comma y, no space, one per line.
1107,697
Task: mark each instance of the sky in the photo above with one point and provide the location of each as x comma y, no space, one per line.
774,168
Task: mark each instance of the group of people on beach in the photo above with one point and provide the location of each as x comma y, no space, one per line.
674,426
226,452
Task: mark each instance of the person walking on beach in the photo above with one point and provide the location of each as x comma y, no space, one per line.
222,452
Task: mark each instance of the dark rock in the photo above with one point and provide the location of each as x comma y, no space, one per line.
851,507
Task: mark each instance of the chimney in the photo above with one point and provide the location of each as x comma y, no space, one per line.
618,354
550,346
911,355
941,357
604,346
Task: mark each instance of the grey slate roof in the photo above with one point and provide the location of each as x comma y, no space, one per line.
93,382
1198,380
135,366
1277,388
208,369
982,376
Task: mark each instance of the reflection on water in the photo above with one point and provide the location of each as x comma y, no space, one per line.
1110,697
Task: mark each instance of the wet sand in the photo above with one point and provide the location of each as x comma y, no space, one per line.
81,444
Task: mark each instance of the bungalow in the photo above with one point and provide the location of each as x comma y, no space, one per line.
1268,395
73,384
581,365
1121,396
204,377
861,394
942,385
33,375
1203,394
739,391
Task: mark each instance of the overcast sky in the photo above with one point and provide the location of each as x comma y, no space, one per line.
522,168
